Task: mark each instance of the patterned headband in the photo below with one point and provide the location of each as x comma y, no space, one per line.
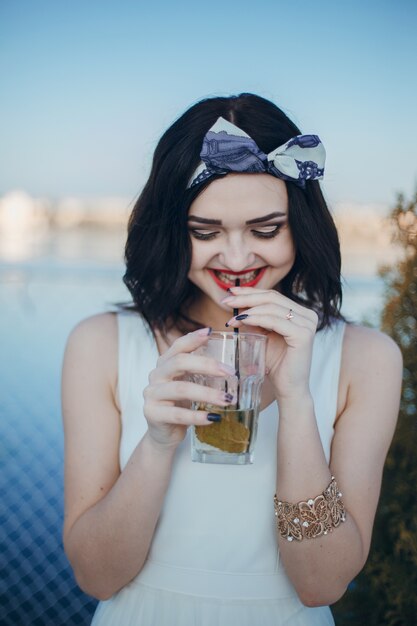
227,148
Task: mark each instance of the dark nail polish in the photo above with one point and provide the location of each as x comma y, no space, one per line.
227,324
229,290
228,397
210,330
242,316
214,417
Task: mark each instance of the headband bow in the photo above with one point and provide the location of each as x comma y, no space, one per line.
227,148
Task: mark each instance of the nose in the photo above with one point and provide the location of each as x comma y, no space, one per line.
236,255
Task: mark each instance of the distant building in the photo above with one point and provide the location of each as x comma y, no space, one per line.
23,221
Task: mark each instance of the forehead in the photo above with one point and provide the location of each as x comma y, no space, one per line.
241,196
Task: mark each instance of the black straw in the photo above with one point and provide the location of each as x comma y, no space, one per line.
236,332
236,311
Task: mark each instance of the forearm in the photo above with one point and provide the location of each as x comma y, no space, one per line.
108,544
319,568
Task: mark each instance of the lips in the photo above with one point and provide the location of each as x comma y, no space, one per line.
227,279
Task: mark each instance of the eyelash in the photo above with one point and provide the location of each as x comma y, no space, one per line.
268,235
256,233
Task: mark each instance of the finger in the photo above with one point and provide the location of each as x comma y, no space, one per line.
254,297
182,363
279,325
187,343
161,414
244,290
277,310
183,390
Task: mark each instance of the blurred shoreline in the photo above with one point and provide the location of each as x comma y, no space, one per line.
93,231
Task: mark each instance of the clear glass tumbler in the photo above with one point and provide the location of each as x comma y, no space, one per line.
232,440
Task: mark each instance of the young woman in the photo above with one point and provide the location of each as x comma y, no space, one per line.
160,540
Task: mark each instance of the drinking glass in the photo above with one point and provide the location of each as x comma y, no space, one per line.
232,440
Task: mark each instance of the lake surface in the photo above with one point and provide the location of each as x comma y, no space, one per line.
41,299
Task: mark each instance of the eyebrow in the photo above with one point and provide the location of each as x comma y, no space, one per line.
256,220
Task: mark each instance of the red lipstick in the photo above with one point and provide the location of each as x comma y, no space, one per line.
225,286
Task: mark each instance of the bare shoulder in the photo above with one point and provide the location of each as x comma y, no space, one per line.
94,341
368,356
95,331
365,348
100,327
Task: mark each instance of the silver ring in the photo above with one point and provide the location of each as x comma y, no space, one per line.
289,315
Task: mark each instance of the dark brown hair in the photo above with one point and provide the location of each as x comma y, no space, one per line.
158,248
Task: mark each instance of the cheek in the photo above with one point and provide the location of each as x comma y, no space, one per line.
288,248
200,256
195,255
282,253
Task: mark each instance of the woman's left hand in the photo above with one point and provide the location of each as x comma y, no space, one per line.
290,341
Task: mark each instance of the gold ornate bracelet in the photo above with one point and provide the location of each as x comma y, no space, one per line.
313,518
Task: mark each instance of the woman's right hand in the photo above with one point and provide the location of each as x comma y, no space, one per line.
167,393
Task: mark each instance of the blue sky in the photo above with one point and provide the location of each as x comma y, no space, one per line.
88,86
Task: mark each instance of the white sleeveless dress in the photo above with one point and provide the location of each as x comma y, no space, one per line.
214,558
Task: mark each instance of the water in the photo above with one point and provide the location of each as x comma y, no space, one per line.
40,302
38,307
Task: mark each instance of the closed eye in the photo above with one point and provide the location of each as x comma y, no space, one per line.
267,232
263,232
203,234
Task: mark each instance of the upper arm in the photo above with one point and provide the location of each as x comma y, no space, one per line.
90,415
364,430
